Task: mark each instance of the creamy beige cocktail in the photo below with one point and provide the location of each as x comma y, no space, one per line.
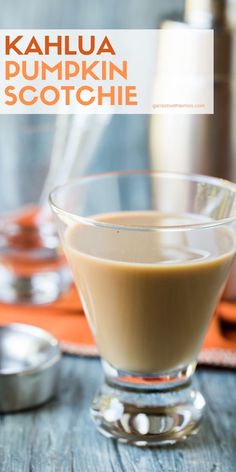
150,253
148,297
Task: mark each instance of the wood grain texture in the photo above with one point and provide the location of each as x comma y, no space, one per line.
60,437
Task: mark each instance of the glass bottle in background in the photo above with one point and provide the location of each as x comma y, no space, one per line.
38,152
204,144
32,267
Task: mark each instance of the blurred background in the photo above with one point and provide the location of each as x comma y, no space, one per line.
125,141
38,152
199,144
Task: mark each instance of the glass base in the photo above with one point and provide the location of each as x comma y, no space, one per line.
148,411
39,288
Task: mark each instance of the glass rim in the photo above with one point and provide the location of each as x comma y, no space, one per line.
91,221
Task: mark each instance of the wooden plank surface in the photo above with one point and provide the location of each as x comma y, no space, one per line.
61,437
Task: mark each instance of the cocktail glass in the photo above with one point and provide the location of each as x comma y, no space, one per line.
150,253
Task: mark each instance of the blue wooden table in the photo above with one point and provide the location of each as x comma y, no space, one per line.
60,437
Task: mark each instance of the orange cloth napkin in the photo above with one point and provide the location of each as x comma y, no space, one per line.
66,321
